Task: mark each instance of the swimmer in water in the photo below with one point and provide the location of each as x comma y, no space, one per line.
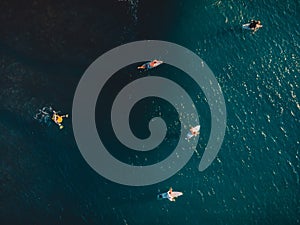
47,115
58,119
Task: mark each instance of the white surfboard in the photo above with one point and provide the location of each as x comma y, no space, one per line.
246,26
158,62
176,194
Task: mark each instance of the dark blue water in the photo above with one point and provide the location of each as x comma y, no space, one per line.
46,47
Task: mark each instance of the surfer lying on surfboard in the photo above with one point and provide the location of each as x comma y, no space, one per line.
150,65
171,195
194,131
254,25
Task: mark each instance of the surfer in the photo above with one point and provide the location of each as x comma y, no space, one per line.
172,199
58,119
193,132
255,25
171,195
150,65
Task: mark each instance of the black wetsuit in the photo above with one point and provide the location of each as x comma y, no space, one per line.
253,24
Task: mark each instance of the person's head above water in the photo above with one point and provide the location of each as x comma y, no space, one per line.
58,119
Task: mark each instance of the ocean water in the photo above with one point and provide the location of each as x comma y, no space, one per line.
46,47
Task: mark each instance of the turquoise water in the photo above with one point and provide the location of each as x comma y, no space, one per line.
255,178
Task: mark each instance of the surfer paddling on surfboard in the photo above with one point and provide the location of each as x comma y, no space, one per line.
194,131
171,195
150,65
254,25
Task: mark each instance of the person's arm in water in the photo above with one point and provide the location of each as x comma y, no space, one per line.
256,28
